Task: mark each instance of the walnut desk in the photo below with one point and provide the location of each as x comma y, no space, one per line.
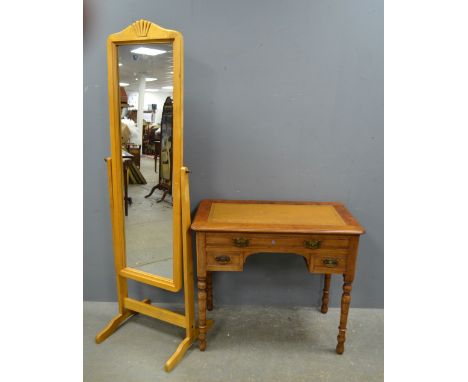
229,231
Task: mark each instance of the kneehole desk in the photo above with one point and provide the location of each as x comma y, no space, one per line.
229,231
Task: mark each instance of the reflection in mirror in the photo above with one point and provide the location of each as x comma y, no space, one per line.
146,94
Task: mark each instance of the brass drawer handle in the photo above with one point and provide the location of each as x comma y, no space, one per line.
240,242
330,263
223,259
312,244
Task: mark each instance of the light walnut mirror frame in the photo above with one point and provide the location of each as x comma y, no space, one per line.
145,32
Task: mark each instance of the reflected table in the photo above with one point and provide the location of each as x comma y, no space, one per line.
126,160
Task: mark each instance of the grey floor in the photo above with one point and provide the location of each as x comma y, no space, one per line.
247,343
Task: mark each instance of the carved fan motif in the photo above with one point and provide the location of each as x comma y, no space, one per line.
141,27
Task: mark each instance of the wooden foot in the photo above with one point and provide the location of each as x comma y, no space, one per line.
209,290
202,313
325,296
115,323
183,347
179,353
345,300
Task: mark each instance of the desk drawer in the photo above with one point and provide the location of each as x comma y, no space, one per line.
276,241
223,261
328,263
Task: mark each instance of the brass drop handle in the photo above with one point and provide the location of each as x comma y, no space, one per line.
312,244
223,259
330,263
240,242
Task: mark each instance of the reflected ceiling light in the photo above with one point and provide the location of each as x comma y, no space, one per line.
123,84
149,79
171,72
120,64
152,90
168,87
148,51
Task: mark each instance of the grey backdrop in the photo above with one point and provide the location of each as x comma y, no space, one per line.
283,101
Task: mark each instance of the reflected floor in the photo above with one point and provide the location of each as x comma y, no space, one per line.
148,226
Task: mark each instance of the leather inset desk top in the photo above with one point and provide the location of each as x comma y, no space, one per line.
270,217
275,213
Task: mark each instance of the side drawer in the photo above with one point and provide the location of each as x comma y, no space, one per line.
328,263
224,261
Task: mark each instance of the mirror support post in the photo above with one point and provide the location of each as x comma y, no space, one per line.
187,264
187,269
122,291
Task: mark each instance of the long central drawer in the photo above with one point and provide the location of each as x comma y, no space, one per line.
275,241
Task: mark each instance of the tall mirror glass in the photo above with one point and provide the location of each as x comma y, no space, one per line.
146,120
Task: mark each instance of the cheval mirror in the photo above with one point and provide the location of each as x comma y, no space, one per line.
148,188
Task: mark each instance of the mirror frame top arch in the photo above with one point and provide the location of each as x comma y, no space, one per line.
145,32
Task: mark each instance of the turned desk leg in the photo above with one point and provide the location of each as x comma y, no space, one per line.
202,313
326,292
345,300
209,290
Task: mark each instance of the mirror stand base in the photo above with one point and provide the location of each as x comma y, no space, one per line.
115,323
172,362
